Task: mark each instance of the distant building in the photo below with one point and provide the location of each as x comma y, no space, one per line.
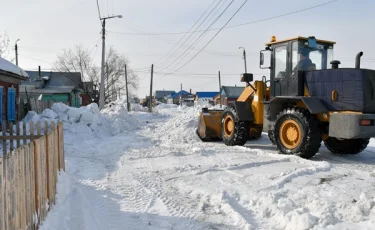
161,95
65,87
177,97
11,76
205,98
229,95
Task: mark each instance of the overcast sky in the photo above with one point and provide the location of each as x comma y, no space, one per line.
45,27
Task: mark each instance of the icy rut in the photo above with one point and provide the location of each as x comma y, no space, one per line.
163,177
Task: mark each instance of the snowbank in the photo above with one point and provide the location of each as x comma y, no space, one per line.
180,129
87,119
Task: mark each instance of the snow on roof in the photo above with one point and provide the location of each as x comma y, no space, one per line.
7,66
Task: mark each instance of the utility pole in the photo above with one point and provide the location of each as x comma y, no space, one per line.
107,88
16,48
101,96
220,90
244,58
127,93
150,100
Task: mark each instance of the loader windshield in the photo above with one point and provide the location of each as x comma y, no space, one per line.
305,58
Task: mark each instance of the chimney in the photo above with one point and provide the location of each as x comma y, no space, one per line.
39,72
39,83
190,91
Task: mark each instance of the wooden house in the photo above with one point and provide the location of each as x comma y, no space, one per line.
11,76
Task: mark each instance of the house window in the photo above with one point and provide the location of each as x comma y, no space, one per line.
11,104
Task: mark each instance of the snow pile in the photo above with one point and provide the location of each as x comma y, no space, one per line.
138,108
87,119
118,119
180,129
10,67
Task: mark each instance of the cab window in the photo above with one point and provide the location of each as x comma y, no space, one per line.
280,61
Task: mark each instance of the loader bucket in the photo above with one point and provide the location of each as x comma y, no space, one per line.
209,125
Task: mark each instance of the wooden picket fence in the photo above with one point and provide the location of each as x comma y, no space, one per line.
40,105
28,173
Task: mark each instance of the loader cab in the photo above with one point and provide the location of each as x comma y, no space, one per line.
290,58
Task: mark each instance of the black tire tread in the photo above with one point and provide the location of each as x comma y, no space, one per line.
311,142
241,129
348,146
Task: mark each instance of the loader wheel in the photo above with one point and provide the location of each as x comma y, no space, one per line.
271,136
233,131
346,146
297,132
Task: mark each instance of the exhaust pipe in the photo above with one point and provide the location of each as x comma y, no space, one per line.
358,60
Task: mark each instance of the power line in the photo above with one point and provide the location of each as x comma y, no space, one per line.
203,34
35,59
97,3
230,19
227,27
193,27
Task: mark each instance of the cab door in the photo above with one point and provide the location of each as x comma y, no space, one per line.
280,70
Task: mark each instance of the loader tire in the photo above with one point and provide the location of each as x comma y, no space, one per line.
297,132
233,131
347,146
271,136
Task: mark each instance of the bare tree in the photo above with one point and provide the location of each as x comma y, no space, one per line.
4,46
115,77
80,60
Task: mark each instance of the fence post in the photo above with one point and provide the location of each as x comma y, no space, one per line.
4,192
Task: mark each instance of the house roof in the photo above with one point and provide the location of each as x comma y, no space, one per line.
232,91
52,89
9,67
163,93
55,78
182,92
206,94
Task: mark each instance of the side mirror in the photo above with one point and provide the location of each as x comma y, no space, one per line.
261,58
247,77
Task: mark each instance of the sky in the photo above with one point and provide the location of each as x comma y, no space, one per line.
46,27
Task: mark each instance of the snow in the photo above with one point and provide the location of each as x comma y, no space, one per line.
10,67
139,170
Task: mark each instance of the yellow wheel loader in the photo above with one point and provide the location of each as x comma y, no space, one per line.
307,99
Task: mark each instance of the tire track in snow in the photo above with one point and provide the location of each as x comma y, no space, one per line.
245,218
106,213
132,195
322,167
176,204
243,166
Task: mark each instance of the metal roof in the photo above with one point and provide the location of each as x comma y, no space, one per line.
55,78
163,93
182,92
298,38
232,91
206,94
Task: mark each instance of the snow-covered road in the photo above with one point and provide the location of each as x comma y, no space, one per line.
159,175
